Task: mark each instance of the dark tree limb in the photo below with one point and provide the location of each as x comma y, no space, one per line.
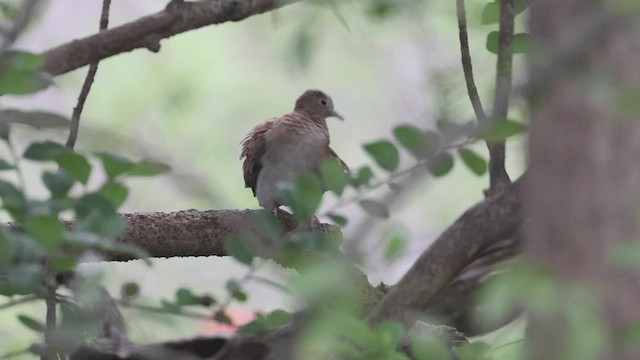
457,304
497,172
146,32
497,217
88,81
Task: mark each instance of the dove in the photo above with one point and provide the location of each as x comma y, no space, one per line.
279,150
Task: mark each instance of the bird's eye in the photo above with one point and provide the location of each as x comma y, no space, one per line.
323,102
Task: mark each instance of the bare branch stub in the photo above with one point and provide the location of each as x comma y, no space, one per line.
178,17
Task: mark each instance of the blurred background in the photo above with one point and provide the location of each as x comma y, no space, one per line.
192,103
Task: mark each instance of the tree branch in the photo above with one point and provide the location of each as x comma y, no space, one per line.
146,32
467,66
489,221
191,232
498,174
88,81
498,177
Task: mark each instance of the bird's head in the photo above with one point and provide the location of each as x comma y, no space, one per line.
316,104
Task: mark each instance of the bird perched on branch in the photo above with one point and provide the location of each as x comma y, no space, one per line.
278,151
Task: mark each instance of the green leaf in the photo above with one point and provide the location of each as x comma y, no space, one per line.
114,192
333,175
451,130
76,165
429,349
64,262
22,60
12,198
308,192
304,44
394,247
45,151
34,119
129,290
47,230
148,168
362,177
521,42
184,297
390,334
374,208
268,223
441,164
240,295
382,9
114,165
276,319
491,11
338,219
236,248
19,82
94,203
222,317
474,162
6,251
31,323
4,165
412,139
384,153
236,291
24,278
58,183
252,328
502,129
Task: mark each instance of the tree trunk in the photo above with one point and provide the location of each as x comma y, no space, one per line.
584,186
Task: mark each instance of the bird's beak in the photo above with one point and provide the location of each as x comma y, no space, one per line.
336,114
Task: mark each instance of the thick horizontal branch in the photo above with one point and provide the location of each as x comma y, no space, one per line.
493,219
190,232
146,32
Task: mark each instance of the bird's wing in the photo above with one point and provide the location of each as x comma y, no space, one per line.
332,154
253,148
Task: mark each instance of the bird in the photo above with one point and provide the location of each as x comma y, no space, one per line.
279,150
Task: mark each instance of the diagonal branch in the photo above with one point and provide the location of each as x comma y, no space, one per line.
88,81
146,32
493,219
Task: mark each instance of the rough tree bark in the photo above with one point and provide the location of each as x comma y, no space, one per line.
583,193
178,17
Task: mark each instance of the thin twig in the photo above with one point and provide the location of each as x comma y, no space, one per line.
88,81
338,14
467,66
160,310
51,303
20,22
507,344
253,268
393,177
20,301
